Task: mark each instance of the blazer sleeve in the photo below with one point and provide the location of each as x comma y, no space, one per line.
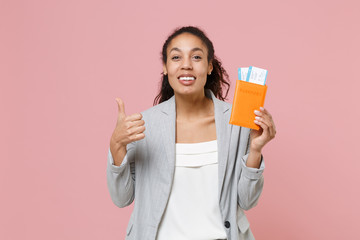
251,181
121,179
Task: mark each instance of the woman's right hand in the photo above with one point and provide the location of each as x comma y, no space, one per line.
128,129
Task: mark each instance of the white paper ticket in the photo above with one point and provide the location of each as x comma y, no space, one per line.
256,75
242,73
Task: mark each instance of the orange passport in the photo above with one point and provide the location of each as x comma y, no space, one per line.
248,97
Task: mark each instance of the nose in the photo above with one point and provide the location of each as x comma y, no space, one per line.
186,64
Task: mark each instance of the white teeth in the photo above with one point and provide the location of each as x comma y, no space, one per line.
187,78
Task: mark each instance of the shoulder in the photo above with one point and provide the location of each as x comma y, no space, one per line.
222,106
154,111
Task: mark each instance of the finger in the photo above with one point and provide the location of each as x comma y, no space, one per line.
264,127
265,114
134,117
269,116
264,110
136,123
121,108
137,137
272,127
136,130
268,123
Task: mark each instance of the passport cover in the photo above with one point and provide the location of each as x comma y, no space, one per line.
248,97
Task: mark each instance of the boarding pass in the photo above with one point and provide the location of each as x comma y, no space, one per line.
253,75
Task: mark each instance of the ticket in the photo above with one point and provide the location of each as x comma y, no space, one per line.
256,75
242,73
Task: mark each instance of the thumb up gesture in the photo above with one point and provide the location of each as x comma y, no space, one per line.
128,129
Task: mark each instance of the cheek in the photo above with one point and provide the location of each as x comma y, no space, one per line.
203,68
172,73
171,65
203,72
172,81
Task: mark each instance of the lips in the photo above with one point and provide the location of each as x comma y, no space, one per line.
186,77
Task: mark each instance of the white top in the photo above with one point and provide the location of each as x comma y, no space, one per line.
193,209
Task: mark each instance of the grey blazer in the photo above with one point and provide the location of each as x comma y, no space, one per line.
147,171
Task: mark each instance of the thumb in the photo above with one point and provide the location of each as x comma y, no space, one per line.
121,108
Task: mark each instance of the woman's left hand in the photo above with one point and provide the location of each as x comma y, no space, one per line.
267,131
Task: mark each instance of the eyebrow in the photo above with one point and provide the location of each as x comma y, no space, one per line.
192,50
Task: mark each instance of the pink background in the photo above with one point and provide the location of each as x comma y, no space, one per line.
62,63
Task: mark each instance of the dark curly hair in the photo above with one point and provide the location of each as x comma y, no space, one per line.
215,81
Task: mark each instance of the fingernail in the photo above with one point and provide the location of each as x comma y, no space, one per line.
256,111
257,118
262,109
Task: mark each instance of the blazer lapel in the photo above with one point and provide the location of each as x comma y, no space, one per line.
168,129
223,131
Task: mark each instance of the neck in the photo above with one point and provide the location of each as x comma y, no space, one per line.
193,107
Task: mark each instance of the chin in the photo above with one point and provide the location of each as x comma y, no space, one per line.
189,91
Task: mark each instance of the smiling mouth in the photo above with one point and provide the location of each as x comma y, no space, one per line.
187,78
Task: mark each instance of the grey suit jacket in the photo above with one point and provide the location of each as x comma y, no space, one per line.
147,171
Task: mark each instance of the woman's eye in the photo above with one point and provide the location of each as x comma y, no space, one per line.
175,57
197,57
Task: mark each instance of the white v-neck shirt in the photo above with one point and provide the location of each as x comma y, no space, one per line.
193,209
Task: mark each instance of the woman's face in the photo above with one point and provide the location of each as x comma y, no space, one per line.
187,66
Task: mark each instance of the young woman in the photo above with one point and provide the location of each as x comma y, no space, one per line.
190,172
